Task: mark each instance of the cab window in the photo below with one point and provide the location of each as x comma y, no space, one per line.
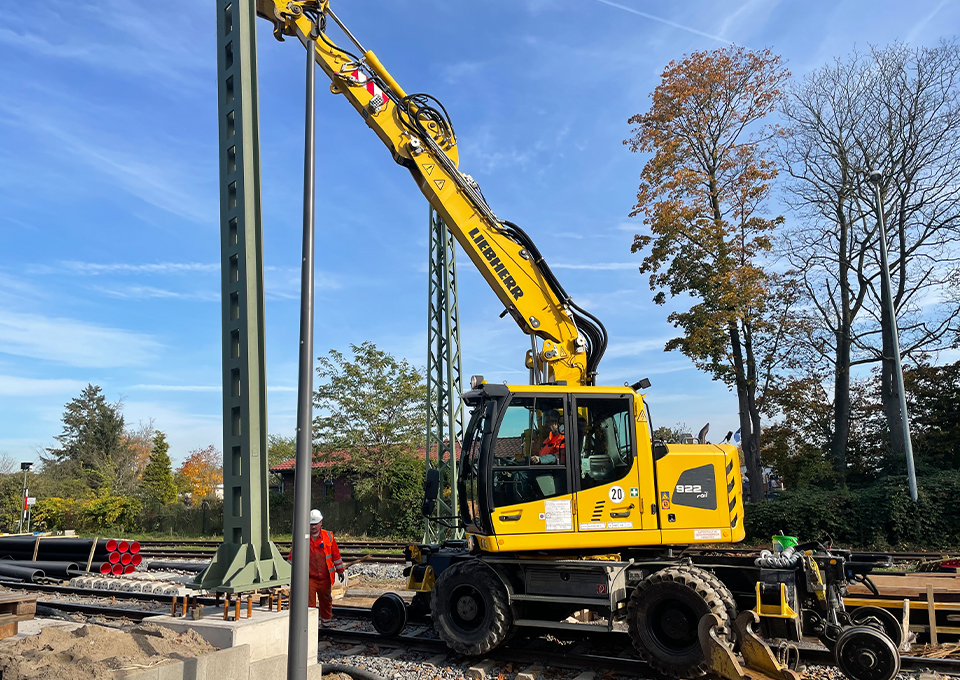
604,440
530,454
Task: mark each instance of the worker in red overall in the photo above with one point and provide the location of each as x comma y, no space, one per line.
553,451
325,566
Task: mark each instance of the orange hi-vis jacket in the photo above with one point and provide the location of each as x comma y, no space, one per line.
324,557
554,445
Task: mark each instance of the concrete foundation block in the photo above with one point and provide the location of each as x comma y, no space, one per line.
314,672
272,668
265,632
170,671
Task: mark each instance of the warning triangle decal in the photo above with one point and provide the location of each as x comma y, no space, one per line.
428,168
439,183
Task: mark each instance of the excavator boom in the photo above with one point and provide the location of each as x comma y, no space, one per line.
417,131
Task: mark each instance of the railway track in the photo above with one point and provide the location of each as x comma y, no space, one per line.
393,548
608,651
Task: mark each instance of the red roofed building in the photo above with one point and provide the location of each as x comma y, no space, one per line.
338,490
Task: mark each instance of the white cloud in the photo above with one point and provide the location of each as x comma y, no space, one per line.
96,268
152,293
628,349
674,24
163,181
74,342
16,386
177,388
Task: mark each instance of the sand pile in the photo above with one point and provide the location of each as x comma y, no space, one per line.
95,652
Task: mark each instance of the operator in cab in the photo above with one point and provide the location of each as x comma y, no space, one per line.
553,450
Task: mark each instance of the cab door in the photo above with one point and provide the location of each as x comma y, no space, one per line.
608,483
530,490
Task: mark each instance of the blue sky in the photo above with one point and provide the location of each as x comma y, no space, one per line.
109,262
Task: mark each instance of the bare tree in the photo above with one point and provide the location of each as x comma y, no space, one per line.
895,109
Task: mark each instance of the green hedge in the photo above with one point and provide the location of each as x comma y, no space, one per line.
876,517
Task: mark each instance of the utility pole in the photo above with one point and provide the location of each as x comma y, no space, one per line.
876,177
444,378
303,471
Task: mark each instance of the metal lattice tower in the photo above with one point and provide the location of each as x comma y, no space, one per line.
247,559
444,382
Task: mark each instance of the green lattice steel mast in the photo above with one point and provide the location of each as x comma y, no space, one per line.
247,560
444,383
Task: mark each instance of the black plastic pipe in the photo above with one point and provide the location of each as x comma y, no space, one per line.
55,569
20,573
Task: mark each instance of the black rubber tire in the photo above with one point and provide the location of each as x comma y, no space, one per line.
389,614
664,612
470,609
864,653
728,603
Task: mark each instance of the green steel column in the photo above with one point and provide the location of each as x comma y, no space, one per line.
444,377
247,560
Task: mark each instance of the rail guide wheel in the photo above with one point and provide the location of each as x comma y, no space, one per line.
389,614
665,611
880,619
470,609
864,653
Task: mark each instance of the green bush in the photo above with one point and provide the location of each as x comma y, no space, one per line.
879,516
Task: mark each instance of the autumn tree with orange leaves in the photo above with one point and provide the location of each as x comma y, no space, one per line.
701,195
201,472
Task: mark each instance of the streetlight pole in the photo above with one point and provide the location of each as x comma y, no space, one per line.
875,178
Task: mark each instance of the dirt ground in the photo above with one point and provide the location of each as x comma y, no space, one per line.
95,652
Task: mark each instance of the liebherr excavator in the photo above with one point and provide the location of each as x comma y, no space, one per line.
568,501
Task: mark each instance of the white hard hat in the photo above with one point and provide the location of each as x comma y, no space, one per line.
316,517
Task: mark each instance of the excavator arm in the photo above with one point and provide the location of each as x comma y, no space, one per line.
418,133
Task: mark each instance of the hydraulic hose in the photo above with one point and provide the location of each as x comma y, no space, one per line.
788,559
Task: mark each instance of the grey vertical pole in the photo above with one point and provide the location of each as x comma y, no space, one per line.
875,179
299,607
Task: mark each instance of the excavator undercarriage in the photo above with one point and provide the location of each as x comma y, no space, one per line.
688,616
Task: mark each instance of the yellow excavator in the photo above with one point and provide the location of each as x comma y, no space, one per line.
568,501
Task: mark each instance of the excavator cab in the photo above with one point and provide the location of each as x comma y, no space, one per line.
546,467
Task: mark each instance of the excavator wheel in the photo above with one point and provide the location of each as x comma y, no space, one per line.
663,615
470,608
728,602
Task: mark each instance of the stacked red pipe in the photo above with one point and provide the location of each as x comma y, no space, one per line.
110,556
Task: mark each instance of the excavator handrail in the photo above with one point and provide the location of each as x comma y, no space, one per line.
417,131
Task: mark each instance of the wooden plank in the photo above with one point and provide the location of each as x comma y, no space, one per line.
9,630
851,602
932,615
905,626
93,549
